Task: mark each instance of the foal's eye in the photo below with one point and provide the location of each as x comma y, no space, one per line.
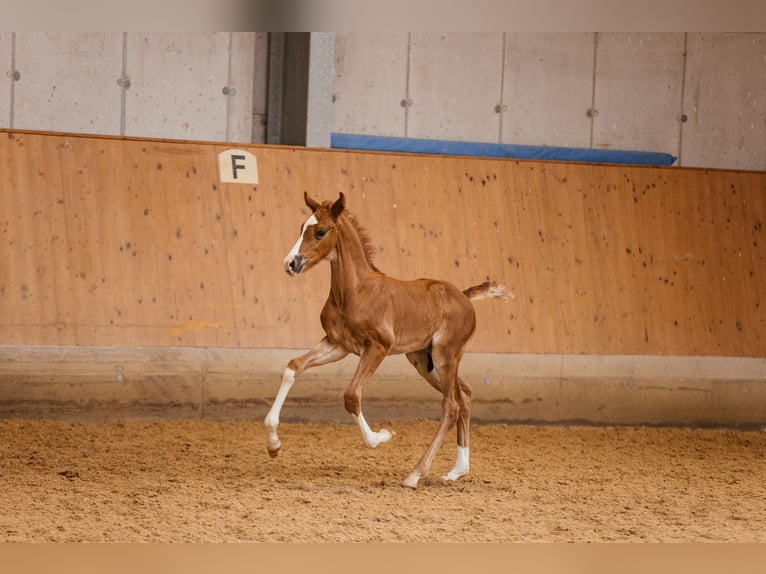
320,233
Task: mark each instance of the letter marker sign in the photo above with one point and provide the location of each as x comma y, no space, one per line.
237,166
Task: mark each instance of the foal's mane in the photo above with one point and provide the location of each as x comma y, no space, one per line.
364,237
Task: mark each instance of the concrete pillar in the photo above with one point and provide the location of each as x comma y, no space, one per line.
300,88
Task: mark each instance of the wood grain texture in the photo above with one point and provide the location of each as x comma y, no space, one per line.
125,242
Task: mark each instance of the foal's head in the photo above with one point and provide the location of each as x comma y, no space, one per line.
318,237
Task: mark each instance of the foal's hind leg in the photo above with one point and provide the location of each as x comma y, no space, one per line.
424,365
446,363
463,428
325,352
422,360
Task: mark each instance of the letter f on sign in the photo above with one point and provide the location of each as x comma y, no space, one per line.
237,166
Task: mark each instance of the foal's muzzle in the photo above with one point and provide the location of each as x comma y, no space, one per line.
295,265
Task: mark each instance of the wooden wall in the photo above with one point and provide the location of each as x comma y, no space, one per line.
122,242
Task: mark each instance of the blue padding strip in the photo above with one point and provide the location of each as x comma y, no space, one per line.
444,147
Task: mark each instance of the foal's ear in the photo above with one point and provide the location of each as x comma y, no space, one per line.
312,203
337,207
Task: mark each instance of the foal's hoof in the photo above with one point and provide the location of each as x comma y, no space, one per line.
275,452
411,481
384,435
375,439
453,475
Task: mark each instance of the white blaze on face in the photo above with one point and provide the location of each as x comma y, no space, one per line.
297,247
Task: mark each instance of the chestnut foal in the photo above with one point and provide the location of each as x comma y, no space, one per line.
372,315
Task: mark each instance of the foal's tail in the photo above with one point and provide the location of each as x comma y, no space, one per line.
488,290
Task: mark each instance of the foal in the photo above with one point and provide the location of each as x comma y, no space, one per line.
373,315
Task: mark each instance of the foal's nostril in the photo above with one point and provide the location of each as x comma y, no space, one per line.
296,264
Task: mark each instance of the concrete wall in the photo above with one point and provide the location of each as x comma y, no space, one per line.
695,95
172,85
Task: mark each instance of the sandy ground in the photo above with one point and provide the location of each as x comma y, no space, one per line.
205,481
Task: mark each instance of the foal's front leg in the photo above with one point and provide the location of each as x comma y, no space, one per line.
325,352
369,361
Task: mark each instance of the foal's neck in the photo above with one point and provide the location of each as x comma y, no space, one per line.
351,265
